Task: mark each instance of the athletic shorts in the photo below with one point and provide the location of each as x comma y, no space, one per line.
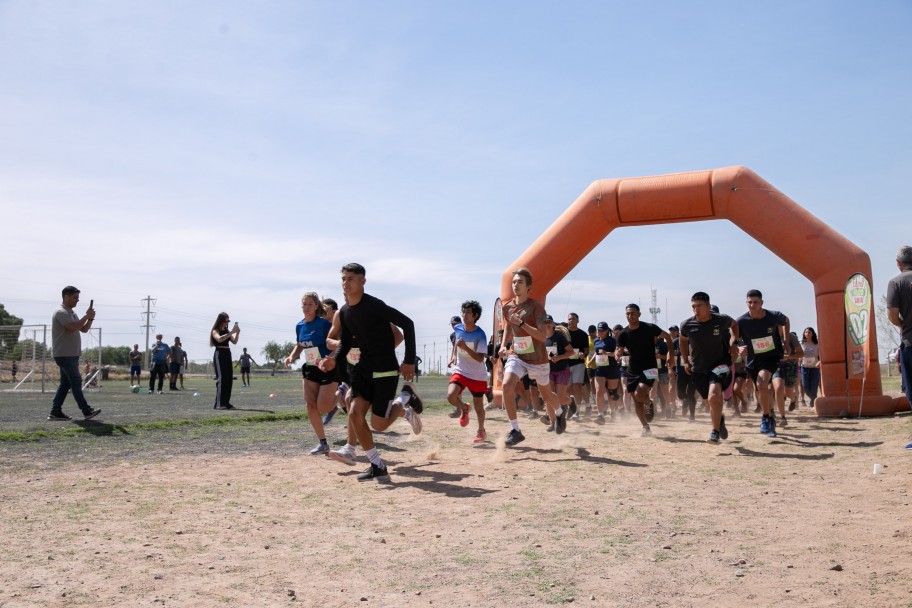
741,373
702,380
577,373
378,391
245,370
478,388
181,370
590,372
174,367
611,372
770,364
788,371
135,369
562,377
539,373
634,380
315,374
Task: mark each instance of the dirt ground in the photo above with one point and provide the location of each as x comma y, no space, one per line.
597,516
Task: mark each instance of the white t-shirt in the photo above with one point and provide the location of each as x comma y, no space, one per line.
465,364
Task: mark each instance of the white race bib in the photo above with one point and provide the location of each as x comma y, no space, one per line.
311,355
721,369
651,374
576,353
463,351
552,350
809,362
625,360
353,356
522,345
763,345
601,360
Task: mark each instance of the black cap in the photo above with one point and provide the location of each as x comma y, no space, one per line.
602,326
456,320
549,319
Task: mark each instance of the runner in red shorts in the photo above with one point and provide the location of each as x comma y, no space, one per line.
468,363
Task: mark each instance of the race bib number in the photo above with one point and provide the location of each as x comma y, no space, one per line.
552,350
625,360
720,370
651,374
576,353
763,345
353,356
809,362
602,360
660,362
522,345
311,355
463,352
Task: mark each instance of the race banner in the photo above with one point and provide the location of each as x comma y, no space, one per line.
858,316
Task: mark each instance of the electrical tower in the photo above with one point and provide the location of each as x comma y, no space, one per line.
654,310
149,315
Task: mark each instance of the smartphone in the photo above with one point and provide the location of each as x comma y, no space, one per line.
91,303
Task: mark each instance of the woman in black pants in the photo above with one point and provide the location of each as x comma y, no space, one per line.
219,337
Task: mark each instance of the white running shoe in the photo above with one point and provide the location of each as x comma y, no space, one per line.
344,456
414,419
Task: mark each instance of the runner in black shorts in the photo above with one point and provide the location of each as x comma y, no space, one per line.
607,372
375,377
640,341
765,334
706,340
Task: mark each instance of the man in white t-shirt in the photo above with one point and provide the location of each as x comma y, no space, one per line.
467,362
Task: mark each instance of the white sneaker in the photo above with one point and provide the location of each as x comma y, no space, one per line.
344,456
414,419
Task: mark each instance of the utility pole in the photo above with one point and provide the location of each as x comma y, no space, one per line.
654,309
149,315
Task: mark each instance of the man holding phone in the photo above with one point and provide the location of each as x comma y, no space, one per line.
66,326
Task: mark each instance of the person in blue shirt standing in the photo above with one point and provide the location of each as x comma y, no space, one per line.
160,352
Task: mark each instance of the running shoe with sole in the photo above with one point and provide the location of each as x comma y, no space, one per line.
414,401
514,437
464,417
374,472
646,432
784,422
59,417
600,419
791,405
713,437
322,448
412,417
544,419
480,437
649,408
328,416
92,413
550,428
772,427
573,408
342,455
764,425
561,422
723,431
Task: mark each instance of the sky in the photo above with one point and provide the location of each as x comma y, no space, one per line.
232,155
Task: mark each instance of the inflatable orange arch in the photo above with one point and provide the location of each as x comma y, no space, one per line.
734,194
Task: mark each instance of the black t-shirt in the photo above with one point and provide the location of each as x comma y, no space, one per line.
608,345
579,340
706,341
370,320
558,343
757,334
640,344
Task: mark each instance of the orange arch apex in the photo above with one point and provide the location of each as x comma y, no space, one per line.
811,247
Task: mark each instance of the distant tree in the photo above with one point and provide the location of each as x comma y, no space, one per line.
9,337
275,352
888,336
110,355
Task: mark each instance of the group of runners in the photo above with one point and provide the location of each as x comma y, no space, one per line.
350,363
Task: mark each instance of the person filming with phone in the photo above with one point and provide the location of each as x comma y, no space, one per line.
220,337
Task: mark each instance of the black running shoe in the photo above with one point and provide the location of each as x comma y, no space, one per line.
514,437
791,405
415,401
573,408
92,413
561,422
723,432
374,472
649,407
59,416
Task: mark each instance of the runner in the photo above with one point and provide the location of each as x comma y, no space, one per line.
764,332
788,371
376,375
810,364
638,339
468,364
623,361
590,371
559,352
665,359
705,339
319,387
579,340
525,319
607,371
684,386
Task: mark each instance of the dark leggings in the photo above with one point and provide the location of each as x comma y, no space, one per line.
221,361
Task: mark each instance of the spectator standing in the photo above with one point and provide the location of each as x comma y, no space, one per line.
66,326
